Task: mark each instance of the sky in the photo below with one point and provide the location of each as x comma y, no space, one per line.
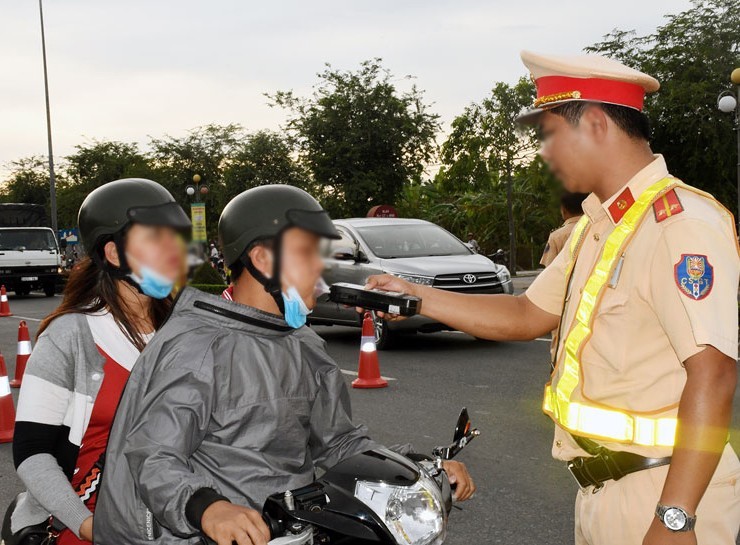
125,70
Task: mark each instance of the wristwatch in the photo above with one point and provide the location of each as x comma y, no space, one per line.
676,519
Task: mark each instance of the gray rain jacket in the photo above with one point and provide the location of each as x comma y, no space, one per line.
225,397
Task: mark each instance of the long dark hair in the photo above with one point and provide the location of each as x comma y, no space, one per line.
91,289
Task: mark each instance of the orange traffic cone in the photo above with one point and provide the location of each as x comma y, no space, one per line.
22,354
7,409
4,305
368,374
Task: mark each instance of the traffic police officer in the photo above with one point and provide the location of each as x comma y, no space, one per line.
571,211
645,300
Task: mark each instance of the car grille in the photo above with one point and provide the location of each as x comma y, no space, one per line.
487,281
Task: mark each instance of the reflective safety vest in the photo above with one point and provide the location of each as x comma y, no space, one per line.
583,418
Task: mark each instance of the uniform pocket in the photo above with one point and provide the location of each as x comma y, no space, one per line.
611,328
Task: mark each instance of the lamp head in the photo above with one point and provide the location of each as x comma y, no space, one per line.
727,104
735,76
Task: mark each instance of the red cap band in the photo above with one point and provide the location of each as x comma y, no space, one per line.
555,88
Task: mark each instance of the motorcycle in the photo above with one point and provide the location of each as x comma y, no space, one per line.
377,497
499,257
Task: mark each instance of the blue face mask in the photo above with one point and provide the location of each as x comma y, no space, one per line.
296,310
151,283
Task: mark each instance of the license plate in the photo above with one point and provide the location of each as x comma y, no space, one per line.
29,278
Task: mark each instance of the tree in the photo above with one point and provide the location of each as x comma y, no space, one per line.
262,158
692,56
485,153
28,182
360,137
92,165
205,151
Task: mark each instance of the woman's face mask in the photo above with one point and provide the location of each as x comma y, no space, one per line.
151,283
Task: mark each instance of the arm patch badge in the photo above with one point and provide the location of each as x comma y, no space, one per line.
694,276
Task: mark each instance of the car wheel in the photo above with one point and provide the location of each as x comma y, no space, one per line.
384,337
49,290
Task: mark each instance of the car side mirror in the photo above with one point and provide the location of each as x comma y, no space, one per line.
344,253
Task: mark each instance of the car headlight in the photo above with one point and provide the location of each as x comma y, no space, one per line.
413,514
504,275
415,279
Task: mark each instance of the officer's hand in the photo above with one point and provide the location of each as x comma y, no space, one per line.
225,522
658,534
388,282
460,480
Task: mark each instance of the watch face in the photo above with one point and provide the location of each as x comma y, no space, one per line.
675,519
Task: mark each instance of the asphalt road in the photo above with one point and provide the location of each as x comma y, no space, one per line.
523,497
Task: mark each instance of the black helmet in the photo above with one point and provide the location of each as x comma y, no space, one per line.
108,210
263,213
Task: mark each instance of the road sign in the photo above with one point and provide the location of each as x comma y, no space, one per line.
72,236
198,217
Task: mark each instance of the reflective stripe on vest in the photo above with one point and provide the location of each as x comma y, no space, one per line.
584,418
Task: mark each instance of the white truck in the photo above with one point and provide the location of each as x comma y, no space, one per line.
29,251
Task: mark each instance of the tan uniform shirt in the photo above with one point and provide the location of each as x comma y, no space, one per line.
650,322
556,240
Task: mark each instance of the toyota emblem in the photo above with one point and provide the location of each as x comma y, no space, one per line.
469,279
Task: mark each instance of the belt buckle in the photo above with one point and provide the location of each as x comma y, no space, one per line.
575,467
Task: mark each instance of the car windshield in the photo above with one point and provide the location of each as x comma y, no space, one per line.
411,240
26,239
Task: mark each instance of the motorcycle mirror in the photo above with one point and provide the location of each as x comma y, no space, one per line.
463,425
463,435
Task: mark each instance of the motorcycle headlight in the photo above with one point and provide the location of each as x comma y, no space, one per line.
416,279
414,514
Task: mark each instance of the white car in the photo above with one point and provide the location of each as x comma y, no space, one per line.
412,249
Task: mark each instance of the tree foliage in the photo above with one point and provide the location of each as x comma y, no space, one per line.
483,153
28,181
265,157
361,138
364,137
692,55
205,151
93,164
228,159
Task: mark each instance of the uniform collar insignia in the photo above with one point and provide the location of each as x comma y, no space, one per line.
621,203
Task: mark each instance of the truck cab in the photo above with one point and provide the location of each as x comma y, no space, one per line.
29,251
29,259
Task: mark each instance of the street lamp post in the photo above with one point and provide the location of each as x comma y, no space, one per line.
198,209
728,103
52,178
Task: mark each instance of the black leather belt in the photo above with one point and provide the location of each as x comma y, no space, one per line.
610,465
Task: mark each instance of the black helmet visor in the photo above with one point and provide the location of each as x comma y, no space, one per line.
314,221
169,215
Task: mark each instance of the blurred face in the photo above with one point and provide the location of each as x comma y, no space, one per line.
569,151
157,247
301,264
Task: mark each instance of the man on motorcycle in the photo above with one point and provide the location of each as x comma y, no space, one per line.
234,401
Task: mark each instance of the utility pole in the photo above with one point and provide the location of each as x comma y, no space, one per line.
510,211
52,179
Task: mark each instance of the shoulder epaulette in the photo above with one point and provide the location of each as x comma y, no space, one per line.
666,206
